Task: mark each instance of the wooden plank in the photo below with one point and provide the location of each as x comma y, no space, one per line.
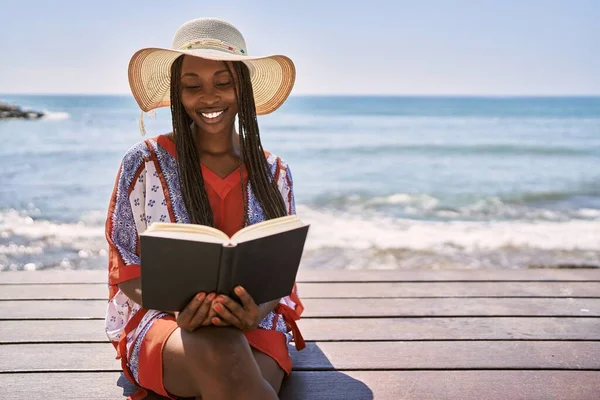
320,308
76,386
348,290
353,385
54,276
369,275
338,356
447,385
350,329
24,309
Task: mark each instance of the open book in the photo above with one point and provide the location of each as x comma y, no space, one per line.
180,260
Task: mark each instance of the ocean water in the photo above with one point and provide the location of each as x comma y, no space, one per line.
386,182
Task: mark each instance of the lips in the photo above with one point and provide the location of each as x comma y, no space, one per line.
211,116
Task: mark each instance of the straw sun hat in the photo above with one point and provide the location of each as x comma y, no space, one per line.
214,39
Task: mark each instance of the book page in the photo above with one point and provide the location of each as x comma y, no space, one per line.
267,228
186,231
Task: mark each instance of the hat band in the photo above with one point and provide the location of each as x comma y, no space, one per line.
211,43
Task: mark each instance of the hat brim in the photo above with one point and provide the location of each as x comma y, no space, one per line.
272,77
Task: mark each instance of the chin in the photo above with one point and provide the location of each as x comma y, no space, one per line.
214,129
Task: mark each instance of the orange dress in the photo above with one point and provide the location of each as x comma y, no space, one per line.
140,337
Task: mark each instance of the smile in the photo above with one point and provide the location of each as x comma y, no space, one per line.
212,117
212,114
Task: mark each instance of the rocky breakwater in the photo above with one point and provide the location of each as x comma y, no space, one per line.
12,111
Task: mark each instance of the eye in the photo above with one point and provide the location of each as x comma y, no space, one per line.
223,84
191,85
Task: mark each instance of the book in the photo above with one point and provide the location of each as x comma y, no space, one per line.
180,260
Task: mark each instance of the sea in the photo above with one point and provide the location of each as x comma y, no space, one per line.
385,182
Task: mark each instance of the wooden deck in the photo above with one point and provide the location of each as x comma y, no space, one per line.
417,334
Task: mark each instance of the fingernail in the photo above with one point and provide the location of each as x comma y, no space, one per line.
239,290
218,307
200,296
211,296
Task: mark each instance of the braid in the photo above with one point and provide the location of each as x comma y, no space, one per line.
261,179
188,163
251,153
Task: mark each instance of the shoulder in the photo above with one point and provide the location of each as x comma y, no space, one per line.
136,154
143,150
134,161
275,161
280,169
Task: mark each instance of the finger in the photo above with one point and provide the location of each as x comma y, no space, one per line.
247,317
216,321
202,311
233,306
226,315
247,300
185,315
211,314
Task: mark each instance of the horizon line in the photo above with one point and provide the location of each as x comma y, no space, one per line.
340,95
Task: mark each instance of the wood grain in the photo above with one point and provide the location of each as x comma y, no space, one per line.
327,308
384,334
353,385
338,356
346,275
346,290
349,329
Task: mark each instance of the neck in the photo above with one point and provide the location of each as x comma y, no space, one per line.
225,145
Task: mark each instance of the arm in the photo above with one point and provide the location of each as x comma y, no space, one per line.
132,289
122,225
126,218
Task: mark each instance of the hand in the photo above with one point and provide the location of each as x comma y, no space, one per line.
245,316
197,313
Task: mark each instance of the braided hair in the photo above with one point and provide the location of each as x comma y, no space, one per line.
251,152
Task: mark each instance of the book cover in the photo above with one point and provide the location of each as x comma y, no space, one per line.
174,269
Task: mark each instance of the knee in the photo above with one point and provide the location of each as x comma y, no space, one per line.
216,350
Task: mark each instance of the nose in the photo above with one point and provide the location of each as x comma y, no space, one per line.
209,98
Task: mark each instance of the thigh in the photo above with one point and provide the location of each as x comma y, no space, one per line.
177,378
269,368
209,360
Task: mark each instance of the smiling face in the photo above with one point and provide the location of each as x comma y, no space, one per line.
208,95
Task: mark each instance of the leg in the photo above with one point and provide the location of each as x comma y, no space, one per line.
214,363
271,371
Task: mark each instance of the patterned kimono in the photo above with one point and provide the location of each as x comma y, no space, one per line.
147,190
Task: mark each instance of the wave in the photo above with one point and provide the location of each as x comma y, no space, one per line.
525,207
592,189
447,149
56,116
31,243
347,240
343,229
336,239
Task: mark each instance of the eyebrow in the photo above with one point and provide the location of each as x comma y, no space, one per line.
196,75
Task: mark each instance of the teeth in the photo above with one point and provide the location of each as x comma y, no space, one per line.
212,114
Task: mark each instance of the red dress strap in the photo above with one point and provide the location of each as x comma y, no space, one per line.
290,316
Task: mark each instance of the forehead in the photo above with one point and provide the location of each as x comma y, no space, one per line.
201,66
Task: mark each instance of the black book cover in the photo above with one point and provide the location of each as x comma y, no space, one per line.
175,270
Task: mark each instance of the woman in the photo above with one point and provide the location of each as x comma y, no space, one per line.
204,172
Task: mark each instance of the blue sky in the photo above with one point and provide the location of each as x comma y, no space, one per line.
427,47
